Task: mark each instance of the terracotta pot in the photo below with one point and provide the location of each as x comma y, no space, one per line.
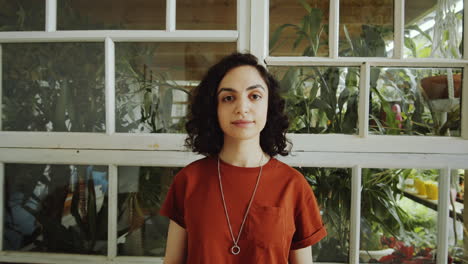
436,87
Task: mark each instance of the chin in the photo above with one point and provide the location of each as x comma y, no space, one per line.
243,136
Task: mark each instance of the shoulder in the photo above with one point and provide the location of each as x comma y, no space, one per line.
194,168
290,173
199,164
293,178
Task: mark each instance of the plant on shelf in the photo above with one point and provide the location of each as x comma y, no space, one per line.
318,100
324,100
380,196
43,91
440,88
408,254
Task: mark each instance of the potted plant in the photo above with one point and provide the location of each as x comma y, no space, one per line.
437,87
447,23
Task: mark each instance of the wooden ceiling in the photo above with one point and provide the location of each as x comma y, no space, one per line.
221,14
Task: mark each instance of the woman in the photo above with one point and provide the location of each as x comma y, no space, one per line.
239,204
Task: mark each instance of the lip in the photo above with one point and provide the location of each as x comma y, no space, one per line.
242,123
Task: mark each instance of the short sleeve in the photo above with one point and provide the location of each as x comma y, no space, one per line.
307,220
173,206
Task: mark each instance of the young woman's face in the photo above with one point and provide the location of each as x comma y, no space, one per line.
242,103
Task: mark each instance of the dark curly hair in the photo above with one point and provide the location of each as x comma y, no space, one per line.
204,133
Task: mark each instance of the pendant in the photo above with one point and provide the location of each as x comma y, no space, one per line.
235,249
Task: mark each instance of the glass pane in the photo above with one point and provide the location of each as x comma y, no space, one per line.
366,28
332,188
458,247
415,101
141,230
320,99
111,14
53,87
206,14
22,15
153,81
433,28
299,28
56,208
398,216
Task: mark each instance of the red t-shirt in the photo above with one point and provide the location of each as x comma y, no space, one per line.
284,214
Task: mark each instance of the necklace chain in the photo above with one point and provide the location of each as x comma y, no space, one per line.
235,249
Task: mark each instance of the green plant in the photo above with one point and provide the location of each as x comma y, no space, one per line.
420,114
15,15
43,90
324,100
138,205
318,100
446,41
332,188
382,211
309,30
139,87
379,202
370,43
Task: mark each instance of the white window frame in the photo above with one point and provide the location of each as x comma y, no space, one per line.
332,150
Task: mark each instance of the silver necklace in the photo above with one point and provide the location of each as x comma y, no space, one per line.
235,249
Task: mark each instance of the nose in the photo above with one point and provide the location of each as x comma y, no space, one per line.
242,106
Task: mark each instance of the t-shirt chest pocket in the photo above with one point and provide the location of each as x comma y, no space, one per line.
265,226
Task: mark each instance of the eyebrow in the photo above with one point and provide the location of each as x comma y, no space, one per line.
255,86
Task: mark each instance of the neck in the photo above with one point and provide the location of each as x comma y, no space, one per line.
243,153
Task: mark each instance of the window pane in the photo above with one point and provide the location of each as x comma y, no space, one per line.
457,243
398,215
415,101
299,28
56,208
142,190
320,99
206,14
433,28
366,28
153,81
332,188
53,87
111,14
22,15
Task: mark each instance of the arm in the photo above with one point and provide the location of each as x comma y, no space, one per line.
301,256
176,247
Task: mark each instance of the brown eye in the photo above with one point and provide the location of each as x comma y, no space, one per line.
228,98
256,97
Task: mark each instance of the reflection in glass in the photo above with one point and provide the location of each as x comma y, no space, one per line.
332,188
457,228
141,230
398,215
24,15
206,14
415,101
433,28
320,100
153,82
56,208
299,29
111,14
53,87
366,28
